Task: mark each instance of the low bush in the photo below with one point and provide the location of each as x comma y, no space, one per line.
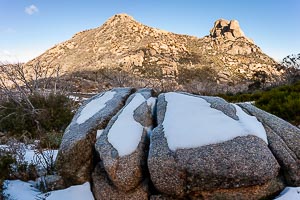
283,101
52,113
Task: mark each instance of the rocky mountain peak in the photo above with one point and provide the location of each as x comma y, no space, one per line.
120,18
227,29
228,59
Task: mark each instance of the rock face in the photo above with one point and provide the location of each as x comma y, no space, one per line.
284,140
104,189
125,168
200,148
75,157
240,162
227,29
225,59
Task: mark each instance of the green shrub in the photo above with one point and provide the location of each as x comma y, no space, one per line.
283,101
53,113
51,140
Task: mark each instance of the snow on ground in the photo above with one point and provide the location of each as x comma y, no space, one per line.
29,152
77,192
125,134
289,193
190,122
19,190
94,106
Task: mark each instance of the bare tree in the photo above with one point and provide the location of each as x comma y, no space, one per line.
18,83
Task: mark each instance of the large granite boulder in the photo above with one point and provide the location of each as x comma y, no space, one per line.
123,145
227,29
75,157
104,189
200,147
284,142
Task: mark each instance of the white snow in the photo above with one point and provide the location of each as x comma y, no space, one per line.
20,190
125,134
77,192
99,133
29,152
94,106
289,193
190,122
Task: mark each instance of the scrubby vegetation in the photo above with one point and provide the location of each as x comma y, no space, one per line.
33,106
52,114
283,101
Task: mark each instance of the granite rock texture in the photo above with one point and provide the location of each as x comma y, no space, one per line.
284,142
242,167
104,189
75,157
126,172
241,162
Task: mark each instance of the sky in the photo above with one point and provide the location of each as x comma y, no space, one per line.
30,27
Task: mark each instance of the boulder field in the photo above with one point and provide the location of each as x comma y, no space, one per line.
133,144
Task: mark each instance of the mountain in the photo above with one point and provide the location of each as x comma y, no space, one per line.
292,60
124,52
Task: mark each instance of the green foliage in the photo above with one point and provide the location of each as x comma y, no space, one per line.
283,101
6,162
53,113
51,140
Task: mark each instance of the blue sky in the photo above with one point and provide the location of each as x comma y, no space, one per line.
29,27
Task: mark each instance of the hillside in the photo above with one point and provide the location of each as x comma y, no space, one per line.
122,48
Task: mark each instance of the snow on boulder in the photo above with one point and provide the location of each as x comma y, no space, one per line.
75,156
123,144
284,142
183,129
204,144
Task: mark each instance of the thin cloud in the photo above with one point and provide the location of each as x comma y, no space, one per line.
7,57
30,10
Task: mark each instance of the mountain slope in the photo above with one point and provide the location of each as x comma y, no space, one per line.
226,58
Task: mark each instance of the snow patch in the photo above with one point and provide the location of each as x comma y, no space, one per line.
125,134
99,133
190,122
30,152
19,190
94,106
77,192
289,193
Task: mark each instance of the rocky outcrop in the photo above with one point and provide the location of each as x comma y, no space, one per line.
123,150
200,148
227,29
75,157
94,58
284,140
104,189
238,163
